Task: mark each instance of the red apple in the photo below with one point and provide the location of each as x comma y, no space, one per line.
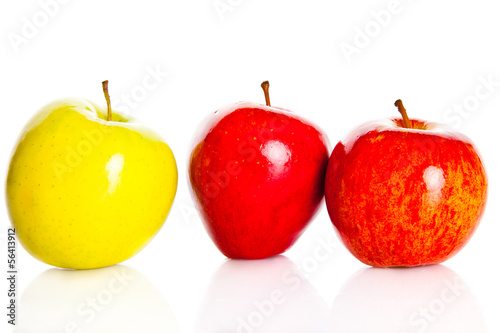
405,192
257,175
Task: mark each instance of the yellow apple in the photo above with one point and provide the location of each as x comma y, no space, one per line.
86,188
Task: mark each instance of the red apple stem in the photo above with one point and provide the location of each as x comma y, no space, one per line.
106,95
265,87
402,110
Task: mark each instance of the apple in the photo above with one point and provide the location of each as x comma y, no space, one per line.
257,177
88,188
405,192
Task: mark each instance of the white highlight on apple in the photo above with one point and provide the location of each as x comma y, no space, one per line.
278,155
486,88
114,168
39,20
434,180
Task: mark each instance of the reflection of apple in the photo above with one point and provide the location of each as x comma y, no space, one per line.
260,296
405,193
85,190
111,299
257,174
431,299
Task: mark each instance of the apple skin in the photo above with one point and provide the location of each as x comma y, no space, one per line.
257,177
84,192
405,197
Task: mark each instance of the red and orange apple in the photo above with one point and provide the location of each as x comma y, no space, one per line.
405,192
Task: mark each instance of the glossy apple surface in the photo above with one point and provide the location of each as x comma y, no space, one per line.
84,192
257,175
405,196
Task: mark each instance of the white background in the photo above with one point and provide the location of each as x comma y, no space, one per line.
436,56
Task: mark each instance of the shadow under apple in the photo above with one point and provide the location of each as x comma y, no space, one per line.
406,300
111,299
257,296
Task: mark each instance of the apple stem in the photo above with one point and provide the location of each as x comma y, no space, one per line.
106,95
402,110
265,87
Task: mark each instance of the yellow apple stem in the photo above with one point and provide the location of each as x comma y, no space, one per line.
402,110
265,87
106,95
